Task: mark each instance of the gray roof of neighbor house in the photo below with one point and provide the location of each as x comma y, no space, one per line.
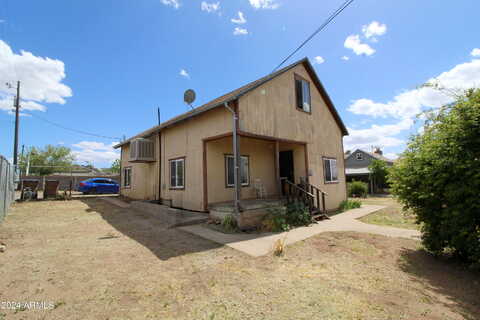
237,93
373,154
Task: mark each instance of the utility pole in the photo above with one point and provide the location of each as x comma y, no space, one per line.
158,115
27,170
15,143
21,157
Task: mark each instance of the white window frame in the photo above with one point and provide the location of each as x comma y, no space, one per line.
242,158
332,164
177,185
306,106
359,156
125,175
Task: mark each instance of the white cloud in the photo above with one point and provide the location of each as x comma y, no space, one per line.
6,104
377,135
411,102
345,58
391,155
210,7
353,42
171,3
240,31
184,73
41,79
406,105
240,20
374,29
264,4
93,145
475,52
318,60
96,152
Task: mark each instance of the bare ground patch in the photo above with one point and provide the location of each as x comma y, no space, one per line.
392,216
97,261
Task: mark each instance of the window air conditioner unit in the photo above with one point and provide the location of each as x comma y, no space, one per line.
142,150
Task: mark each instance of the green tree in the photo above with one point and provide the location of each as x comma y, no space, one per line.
47,160
378,171
115,168
438,178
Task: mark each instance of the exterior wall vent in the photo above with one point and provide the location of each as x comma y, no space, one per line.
142,150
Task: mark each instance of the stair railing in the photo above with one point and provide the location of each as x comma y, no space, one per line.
312,196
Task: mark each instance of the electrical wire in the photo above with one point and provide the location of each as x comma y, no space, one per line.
326,23
6,19
74,130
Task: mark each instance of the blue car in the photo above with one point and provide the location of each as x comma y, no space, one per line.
98,185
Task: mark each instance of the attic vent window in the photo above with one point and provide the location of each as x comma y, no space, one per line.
302,93
142,150
359,156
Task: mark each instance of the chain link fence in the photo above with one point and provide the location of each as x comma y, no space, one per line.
7,186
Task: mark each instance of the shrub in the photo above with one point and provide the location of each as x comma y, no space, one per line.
276,220
298,214
349,204
357,189
283,219
438,178
229,223
379,173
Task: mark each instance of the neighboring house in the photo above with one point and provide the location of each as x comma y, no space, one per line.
287,128
357,162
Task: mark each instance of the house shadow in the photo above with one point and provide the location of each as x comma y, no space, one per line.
149,231
446,277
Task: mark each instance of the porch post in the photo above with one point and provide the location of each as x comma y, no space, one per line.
277,167
236,165
236,159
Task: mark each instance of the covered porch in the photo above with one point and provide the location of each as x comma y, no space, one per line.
264,162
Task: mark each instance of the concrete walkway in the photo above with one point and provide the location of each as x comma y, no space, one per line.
261,244
116,202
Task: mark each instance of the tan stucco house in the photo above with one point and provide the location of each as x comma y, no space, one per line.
287,127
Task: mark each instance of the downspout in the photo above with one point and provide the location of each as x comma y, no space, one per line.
236,161
160,167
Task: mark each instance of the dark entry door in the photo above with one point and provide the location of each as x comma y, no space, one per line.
286,165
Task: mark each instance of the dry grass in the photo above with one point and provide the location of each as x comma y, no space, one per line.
95,261
392,216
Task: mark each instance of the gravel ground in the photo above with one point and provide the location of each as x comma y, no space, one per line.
88,259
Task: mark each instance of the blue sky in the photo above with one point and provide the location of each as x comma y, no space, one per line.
104,66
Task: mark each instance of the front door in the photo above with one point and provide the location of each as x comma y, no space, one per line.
286,165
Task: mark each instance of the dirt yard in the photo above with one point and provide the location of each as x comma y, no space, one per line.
392,215
90,260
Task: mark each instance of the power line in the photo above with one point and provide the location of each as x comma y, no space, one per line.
74,130
330,19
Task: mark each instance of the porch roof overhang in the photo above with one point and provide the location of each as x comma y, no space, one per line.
246,134
357,171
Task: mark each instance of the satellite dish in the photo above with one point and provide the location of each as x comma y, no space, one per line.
189,97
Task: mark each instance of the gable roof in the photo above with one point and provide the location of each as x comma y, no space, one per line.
237,93
371,154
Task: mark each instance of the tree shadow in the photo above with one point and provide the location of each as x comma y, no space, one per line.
446,277
149,231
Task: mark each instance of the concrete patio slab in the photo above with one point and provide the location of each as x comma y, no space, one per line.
261,244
